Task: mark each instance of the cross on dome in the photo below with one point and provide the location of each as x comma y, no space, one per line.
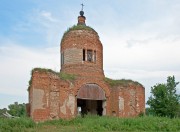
82,6
82,12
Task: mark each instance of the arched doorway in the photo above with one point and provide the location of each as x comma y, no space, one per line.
91,100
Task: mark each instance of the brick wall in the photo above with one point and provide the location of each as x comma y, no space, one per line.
72,46
53,98
127,101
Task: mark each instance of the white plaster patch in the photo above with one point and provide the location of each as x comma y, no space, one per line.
37,102
71,103
54,104
121,103
71,85
63,108
104,107
132,92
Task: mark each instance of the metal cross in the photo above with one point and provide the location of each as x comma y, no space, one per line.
82,6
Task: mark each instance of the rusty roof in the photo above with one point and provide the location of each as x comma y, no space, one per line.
91,92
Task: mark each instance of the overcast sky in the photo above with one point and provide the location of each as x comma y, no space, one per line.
141,40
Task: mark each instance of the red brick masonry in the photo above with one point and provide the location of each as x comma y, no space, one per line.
52,97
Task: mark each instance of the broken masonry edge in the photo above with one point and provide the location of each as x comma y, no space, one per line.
118,82
61,75
72,77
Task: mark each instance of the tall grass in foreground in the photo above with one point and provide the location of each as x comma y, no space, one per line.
94,124
16,124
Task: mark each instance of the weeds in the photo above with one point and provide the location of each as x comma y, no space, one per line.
94,124
78,27
123,82
15,124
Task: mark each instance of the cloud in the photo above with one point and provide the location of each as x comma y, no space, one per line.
39,27
43,18
146,59
17,63
153,53
48,16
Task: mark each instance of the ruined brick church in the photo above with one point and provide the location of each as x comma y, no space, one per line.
81,86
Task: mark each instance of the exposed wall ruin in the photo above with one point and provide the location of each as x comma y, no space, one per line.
51,97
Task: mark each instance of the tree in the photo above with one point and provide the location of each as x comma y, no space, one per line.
2,111
164,100
17,109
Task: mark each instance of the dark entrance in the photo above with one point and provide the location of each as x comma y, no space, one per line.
90,107
99,108
90,99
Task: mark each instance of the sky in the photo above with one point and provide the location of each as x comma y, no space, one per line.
141,40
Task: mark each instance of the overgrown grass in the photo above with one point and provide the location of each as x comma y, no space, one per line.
124,82
65,76
78,27
43,70
61,75
16,124
94,124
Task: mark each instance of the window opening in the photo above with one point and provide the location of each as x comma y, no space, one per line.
62,58
89,55
84,54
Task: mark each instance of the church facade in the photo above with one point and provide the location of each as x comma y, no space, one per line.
81,87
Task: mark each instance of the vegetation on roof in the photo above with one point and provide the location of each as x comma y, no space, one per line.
77,27
123,82
61,75
65,76
43,70
80,27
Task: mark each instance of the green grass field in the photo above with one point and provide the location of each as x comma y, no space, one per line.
92,124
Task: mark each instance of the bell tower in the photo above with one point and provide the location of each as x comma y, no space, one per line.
81,50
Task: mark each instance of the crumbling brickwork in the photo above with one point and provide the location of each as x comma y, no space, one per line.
73,44
51,97
128,100
54,95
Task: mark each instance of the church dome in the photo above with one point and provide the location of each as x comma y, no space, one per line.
79,27
80,36
81,50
